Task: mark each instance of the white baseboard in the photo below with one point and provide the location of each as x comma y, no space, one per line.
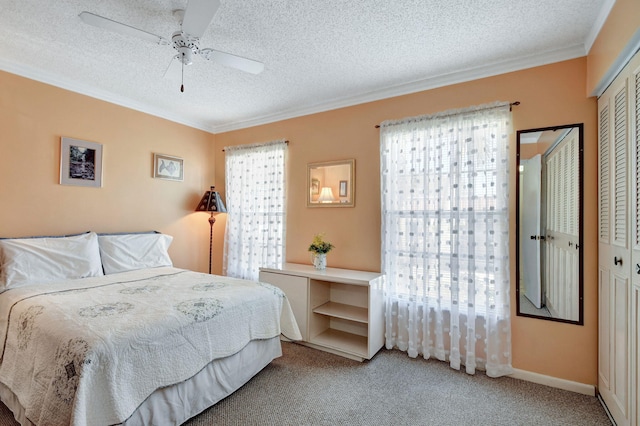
554,382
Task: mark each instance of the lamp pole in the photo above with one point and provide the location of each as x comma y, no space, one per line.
212,220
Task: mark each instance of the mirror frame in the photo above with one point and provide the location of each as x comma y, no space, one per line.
348,184
580,127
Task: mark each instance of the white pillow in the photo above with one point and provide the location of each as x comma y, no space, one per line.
25,261
127,252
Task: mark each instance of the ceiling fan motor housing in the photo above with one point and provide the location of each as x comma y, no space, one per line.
186,46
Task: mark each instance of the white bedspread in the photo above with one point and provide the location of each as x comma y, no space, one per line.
89,351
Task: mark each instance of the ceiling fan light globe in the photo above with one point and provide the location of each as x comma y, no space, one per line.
185,55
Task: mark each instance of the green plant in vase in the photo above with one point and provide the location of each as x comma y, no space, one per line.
319,249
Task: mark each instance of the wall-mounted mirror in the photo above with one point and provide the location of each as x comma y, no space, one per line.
549,223
331,184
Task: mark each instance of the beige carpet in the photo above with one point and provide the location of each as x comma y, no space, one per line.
310,387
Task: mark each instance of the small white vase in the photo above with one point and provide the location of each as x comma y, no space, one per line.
319,260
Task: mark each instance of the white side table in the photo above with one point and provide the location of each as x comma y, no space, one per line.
338,310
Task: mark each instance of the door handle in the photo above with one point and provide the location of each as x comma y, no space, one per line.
637,269
617,261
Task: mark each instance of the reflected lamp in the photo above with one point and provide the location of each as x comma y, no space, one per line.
326,195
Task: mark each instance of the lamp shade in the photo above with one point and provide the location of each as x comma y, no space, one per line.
326,195
211,202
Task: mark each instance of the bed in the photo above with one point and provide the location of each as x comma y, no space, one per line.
102,329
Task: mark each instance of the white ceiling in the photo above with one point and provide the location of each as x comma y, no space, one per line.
318,54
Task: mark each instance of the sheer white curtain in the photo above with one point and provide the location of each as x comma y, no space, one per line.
255,190
445,236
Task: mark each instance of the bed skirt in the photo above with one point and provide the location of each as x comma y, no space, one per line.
174,405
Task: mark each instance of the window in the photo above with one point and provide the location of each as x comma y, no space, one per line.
445,236
255,190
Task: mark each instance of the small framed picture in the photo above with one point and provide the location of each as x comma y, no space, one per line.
168,167
315,186
80,163
343,188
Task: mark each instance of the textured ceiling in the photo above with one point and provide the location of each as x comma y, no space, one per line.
318,55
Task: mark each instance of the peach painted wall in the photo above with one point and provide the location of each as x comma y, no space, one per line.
549,95
33,117
623,21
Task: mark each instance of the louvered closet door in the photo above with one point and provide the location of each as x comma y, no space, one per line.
614,252
634,136
562,234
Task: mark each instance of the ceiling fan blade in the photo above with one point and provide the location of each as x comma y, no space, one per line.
198,16
233,61
108,24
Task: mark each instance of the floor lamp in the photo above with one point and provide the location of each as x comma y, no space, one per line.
211,202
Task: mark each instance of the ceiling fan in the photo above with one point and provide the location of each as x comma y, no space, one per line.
195,20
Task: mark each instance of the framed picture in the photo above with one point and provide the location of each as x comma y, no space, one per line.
168,167
80,163
343,188
315,187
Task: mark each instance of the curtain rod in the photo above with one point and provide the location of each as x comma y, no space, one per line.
511,105
287,142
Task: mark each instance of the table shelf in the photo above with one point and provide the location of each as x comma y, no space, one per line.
341,310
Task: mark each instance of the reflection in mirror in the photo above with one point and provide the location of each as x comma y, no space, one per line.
549,223
331,184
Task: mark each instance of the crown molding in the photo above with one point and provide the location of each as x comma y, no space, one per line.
383,93
498,68
598,24
103,95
